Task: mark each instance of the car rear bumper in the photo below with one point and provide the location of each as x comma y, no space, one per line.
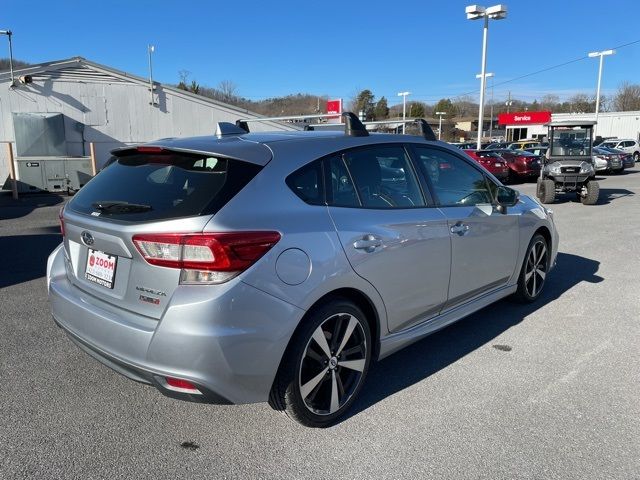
500,174
526,171
227,341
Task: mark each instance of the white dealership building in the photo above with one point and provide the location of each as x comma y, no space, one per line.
56,109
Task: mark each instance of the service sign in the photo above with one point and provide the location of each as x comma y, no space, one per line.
334,106
524,118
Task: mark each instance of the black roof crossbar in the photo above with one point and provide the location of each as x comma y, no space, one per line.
243,125
226,128
425,129
353,127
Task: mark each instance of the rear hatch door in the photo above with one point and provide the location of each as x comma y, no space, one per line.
149,190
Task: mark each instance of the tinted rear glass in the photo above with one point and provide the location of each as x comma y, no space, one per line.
173,184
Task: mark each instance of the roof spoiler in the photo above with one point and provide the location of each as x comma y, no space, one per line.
353,127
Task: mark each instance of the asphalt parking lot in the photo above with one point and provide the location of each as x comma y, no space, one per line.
549,390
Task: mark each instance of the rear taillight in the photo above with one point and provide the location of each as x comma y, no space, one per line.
61,219
207,258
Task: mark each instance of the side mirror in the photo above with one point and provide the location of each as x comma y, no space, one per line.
507,197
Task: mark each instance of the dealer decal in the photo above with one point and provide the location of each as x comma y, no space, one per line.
154,301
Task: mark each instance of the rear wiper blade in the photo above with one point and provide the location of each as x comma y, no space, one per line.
120,207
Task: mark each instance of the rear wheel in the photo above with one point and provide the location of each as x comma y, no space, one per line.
546,190
590,193
534,270
636,157
325,365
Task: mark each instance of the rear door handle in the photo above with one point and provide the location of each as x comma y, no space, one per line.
460,228
368,243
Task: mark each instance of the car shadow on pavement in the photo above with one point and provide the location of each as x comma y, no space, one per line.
27,203
609,194
24,257
430,355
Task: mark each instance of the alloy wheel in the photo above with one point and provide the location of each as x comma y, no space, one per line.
536,268
332,364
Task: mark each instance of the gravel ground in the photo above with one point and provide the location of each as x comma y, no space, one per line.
549,390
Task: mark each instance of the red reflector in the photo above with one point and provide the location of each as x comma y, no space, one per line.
149,149
179,383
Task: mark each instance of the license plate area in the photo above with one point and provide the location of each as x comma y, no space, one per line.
101,268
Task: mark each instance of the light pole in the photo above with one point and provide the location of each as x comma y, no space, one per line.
8,33
404,109
150,50
601,54
488,75
440,124
476,12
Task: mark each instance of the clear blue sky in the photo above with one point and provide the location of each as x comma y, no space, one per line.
338,47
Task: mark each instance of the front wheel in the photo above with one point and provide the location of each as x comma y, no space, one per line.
590,193
325,365
636,157
534,270
546,190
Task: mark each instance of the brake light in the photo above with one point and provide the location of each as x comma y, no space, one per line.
61,219
149,149
205,258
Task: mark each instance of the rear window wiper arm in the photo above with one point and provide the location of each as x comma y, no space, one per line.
120,207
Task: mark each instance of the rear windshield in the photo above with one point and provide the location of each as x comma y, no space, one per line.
162,186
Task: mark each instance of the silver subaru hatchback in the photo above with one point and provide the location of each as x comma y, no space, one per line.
247,267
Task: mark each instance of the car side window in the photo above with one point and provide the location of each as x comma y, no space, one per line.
453,180
340,189
383,177
306,183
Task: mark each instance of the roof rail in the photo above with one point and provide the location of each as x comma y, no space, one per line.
352,124
424,128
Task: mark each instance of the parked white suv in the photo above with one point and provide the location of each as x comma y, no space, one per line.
627,145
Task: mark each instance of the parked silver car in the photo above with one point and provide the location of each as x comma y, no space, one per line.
249,267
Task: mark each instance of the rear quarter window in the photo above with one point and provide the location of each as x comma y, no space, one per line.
173,185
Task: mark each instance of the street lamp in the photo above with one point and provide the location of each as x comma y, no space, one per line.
8,33
488,75
150,50
601,54
404,109
440,124
476,12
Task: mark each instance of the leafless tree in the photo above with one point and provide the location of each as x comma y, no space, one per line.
227,88
582,103
183,75
627,97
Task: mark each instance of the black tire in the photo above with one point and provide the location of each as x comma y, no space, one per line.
636,157
304,357
546,190
593,192
529,286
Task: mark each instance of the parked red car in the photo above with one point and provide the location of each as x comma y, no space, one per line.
522,165
492,161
